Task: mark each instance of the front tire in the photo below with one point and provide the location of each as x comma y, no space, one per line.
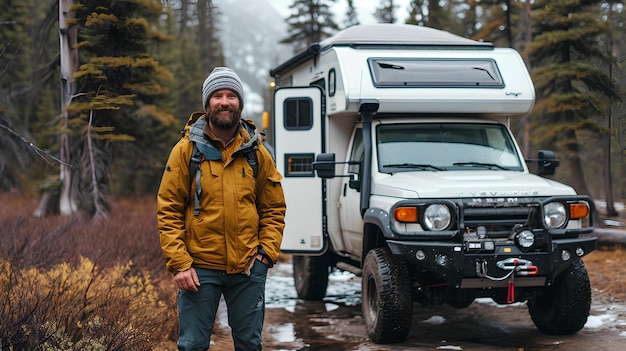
387,302
564,307
310,275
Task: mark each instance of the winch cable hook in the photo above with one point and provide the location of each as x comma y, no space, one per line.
510,293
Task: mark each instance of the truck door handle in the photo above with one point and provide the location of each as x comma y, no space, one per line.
345,186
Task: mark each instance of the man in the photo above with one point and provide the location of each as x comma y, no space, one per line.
220,218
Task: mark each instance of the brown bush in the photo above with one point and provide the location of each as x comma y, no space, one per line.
68,283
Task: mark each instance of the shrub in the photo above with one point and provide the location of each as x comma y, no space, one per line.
68,283
79,308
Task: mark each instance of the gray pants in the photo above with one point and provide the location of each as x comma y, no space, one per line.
245,301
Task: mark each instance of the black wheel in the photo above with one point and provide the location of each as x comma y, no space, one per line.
310,275
386,297
564,307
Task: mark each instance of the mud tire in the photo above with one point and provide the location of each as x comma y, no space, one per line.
564,307
310,276
387,302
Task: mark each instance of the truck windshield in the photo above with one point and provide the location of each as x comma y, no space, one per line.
445,147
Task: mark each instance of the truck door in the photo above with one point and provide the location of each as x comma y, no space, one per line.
298,138
350,200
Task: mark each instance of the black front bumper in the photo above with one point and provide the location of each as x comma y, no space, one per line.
461,268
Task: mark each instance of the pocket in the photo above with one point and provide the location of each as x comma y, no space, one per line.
259,271
246,184
274,191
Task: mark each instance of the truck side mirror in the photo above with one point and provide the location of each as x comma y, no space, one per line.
324,165
355,184
547,162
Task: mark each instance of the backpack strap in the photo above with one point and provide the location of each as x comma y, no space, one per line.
194,172
253,160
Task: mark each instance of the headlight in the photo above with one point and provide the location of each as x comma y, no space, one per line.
437,217
526,238
554,214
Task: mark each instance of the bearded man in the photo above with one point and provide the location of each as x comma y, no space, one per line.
220,218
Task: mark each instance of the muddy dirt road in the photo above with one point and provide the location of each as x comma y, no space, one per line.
336,323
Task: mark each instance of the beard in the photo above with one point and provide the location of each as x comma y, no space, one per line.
224,122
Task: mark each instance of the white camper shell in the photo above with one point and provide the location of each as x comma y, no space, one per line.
399,166
412,69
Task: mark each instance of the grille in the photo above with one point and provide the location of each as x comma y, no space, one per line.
499,221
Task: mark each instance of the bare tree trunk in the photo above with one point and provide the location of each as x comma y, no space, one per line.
575,166
608,177
525,119
69,62
608,181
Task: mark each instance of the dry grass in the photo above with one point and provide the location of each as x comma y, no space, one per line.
607,272
68,283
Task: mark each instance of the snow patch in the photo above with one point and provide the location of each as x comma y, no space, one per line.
597,322
283,332
435,320
449,347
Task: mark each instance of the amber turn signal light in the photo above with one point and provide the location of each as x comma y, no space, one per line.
577,211
405,214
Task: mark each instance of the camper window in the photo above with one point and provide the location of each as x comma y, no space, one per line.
298,113
332,82
443,73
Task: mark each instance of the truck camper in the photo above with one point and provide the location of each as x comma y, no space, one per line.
399,166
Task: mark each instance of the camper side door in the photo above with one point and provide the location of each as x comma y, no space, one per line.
298,138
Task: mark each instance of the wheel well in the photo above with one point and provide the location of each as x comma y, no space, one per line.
372,238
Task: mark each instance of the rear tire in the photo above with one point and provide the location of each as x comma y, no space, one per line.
387,302
310,275
564,307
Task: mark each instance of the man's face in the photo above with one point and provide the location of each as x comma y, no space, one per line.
223,109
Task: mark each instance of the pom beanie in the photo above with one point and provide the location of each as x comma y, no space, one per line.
222,78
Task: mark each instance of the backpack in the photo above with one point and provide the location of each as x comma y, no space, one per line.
197,156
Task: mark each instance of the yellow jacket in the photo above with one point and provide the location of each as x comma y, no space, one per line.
239,216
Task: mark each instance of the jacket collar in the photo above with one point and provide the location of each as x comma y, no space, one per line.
196,134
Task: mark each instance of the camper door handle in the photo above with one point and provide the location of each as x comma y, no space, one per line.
345,186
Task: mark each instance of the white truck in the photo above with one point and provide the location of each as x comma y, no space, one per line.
399,166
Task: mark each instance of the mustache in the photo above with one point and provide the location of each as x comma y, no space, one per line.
225,109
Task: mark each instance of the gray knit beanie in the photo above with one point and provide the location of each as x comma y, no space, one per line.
222,78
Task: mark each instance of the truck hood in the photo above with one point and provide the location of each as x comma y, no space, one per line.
453,184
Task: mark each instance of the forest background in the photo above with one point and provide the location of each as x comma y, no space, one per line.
108,96
94,93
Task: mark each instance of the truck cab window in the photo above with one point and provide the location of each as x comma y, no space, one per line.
356,154
445,147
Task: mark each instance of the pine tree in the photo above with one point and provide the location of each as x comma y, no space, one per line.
569,87
184,60
27,72
438,16
385,12
311,22
416,13
207,38
615,41
495,22
351,18
121,87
